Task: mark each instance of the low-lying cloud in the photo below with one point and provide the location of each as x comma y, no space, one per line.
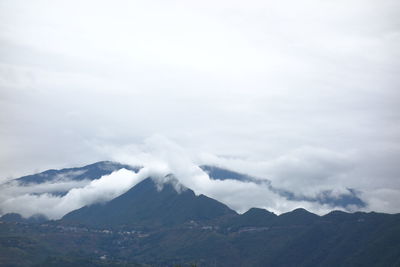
316,179
34,199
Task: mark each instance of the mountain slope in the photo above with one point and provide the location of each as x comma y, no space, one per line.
254,217
145,205
296,217
337,239
218,173
90,172
344,200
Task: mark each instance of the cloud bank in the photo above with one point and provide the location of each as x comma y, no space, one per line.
317,180
32,199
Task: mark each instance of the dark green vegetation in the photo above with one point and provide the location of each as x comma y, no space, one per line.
337,239
153,225
146,206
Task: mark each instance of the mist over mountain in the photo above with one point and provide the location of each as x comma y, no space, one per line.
149,204
54,193
342,200
160,222
88,172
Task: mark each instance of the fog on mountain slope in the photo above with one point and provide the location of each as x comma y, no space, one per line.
54,193
148,205
158,223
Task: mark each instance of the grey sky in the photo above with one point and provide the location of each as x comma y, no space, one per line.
304,93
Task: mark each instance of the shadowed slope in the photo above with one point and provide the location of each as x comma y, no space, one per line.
145,205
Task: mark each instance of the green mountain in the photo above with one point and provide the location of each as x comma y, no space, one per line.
146,205
166,224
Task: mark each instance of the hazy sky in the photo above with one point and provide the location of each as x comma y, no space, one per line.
304,93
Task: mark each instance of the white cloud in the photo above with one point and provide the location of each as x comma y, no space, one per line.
14,188
383,199
306,172
23,200
169,157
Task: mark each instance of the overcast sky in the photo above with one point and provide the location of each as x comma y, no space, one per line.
303,93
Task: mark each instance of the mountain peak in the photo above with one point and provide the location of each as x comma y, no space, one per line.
301,211
258,211
147,204
170,181
298,216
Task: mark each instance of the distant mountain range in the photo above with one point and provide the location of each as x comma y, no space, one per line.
96,170
324,197
166,224
89,172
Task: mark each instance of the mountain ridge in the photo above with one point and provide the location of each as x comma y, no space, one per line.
146,205
91,172
346,200
153,225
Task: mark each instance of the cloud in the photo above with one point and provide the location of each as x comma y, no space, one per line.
30,199
319,189
383,199
16,188
160,157
325,192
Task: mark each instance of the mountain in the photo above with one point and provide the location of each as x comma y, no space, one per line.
218,173
17,218
96,170
166,224
327,197
146,204
336,239
297,217
258,216
90,172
